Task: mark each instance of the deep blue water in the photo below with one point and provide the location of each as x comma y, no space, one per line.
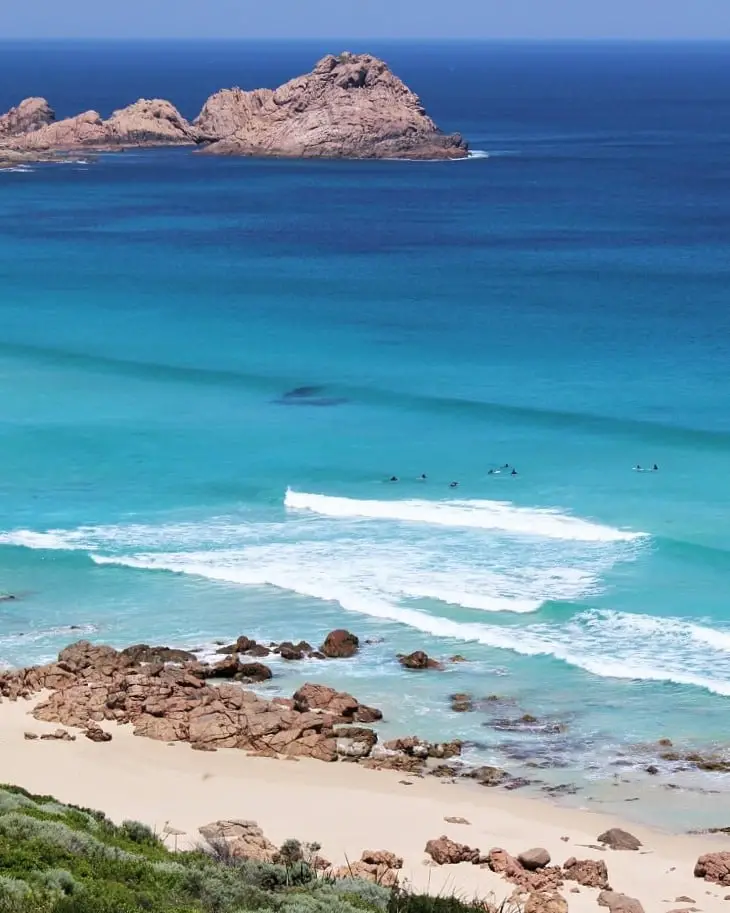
559,305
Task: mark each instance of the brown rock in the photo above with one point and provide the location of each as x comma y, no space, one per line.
381,874
445,851
545,902
253,672
619,903
382,857
245,839
341,705
30,736
592,873
60,735
340,644
618,839
534,859
458,658
419,660
354,742
31,114
488,776
97,734
142,653
461,702
714,867
547,878
349,106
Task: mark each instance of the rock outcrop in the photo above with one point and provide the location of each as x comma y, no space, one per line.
340,644
445,851
350,106
714,867
545,878
380,866
618,839
145,123
419,660
30,115
240,840
619,903
591,873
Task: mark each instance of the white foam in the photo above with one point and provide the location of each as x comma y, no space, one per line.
606,644
488,515
54,539
478,154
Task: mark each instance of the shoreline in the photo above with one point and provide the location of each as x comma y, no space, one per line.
346,808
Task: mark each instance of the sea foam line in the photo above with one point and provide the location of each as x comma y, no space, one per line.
492,515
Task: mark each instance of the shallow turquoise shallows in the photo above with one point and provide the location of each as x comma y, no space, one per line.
210,369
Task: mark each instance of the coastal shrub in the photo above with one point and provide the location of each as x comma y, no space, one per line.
368,893
56,881
316,903
12,889
402,901
18,826
11,801
139,833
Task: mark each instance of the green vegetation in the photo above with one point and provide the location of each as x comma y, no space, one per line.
58,858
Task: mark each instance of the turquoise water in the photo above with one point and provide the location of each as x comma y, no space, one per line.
559,305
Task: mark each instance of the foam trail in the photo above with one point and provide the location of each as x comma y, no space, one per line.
491,515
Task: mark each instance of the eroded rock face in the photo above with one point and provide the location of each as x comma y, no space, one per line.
343,706
545,902
31,114
546,878
380,866
349,106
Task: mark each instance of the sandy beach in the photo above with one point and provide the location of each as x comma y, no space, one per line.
345,808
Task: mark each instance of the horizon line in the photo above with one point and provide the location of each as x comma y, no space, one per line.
503,39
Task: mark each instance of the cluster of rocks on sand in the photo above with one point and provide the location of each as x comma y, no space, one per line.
169,695
349,106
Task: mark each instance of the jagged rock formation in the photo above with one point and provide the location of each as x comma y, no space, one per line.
145,123
351,106
30,115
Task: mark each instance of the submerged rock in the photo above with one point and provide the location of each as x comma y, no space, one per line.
418,660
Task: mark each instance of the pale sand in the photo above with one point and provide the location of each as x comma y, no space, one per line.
347,809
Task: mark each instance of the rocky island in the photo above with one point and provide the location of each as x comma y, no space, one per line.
350,106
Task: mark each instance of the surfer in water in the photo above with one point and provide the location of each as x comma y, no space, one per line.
514,472
454,485
655,468
423,477
393,479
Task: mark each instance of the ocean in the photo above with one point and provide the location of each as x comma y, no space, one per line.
557,303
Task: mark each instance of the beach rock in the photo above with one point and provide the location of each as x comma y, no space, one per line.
382,857
618,839
418,660
244,839
142,653
419,748
340,644
545,902
619,903
714,867
488,776
591,873
30,736
546,878
289,651
380,866
354,742
445,851
60,735
456,819
95,733
462,703
458,658
31,114
534,859
344,707
350,106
